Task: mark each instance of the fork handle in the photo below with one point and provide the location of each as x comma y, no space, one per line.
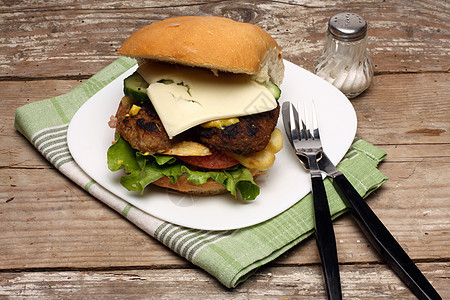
326,242
382,240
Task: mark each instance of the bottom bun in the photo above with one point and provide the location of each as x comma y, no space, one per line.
208,188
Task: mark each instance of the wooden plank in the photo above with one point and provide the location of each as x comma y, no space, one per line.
57,224
405,109
411,204
406,167
299,282
410,109
54,222
15,150
79,39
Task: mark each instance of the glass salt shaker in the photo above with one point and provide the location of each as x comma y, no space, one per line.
345,62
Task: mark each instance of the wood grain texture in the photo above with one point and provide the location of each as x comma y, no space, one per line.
297,282
62,226
412,169
410,109
404,109
56,241
404,36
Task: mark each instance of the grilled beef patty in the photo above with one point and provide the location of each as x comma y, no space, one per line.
250,134
145,132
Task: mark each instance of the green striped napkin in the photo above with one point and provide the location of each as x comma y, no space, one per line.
231,256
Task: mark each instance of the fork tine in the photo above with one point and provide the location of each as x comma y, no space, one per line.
296,126
300,124
315,123
305,124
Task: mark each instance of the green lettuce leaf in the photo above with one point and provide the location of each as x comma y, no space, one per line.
121,156
141,170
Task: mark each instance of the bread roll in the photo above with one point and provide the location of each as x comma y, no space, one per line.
216,43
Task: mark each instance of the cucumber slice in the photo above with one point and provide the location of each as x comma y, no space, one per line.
134,86
273,88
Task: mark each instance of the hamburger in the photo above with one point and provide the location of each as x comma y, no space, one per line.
199,113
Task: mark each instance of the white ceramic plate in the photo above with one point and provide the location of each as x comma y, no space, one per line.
89,138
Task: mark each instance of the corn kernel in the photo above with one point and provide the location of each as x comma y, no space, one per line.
134,110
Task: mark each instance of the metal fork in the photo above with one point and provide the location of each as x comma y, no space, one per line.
304,137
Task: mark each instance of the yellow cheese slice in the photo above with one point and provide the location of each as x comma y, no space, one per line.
197,95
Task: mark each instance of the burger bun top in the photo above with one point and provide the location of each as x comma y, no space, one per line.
216,43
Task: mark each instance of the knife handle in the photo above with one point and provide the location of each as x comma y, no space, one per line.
326,242
382,240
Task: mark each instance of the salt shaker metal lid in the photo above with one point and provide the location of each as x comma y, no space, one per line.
345,62
347,26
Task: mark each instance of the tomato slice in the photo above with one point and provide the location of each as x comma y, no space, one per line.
218,160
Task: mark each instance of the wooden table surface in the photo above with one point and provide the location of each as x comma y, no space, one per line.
57,241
